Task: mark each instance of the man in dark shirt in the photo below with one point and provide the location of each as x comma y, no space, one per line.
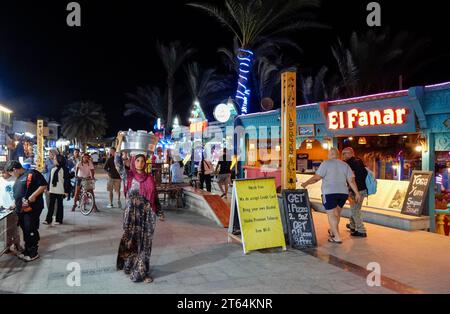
28,190
356,224
224,173
114,179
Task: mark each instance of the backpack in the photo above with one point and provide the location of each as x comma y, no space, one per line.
371,182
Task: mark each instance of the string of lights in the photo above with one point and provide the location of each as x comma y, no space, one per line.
243,92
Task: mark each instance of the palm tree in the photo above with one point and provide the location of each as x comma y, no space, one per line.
84,121
373,62
173,56
149,102
253,22
207,87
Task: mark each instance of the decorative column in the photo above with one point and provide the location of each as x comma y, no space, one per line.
428,160
40,145
289,130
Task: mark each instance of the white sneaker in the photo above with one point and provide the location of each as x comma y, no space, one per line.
110,206
30,259
21,256
56,223
45,222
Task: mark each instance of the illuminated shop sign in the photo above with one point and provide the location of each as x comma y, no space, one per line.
354,118
374,119
198,127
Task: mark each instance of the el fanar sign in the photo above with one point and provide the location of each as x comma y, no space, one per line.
357,118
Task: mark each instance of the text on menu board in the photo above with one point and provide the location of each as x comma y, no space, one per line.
259,214
416,196
299,219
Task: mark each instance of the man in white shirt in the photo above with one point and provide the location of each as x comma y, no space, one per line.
7,202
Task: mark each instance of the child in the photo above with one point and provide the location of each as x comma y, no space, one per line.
7,201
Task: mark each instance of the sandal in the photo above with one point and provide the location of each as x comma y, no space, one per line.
333,240
148,279
330,234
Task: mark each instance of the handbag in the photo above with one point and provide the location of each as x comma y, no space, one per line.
26,208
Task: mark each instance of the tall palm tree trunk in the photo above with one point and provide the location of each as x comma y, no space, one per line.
170,87
243,93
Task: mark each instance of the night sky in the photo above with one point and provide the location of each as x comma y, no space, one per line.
45,65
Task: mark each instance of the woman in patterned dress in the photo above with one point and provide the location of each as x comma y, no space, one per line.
139,222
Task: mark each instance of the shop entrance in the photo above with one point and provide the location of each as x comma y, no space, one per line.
390,157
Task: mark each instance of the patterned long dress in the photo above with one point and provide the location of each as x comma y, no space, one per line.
136,244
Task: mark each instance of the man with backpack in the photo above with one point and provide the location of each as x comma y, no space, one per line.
356,225
28,189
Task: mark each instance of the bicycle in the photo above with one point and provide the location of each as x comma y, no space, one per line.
86,198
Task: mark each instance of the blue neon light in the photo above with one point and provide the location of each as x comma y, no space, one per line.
243,93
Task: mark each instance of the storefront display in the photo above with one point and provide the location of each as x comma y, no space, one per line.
395,134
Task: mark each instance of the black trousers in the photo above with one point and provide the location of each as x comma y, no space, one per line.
205,178
58,199
29,223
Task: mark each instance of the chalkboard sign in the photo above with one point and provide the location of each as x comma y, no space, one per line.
416,196
299,219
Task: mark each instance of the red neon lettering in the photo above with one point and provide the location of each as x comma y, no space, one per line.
401,114
333,122
341,120
375,117
351,118
389,116
363,119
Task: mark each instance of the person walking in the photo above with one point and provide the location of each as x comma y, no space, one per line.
59,188
223,169
28,190
335,175
139,222
7,202
114,179
356,225
206,170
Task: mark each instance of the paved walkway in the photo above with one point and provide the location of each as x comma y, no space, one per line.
191,255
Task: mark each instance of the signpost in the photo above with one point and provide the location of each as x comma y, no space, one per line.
299,220
40,145
416,196
256,202
289,129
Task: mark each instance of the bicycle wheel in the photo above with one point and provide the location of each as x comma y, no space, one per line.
87,203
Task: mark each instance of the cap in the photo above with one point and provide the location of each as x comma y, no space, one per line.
13,165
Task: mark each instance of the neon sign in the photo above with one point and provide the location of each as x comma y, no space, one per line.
356,118
198,127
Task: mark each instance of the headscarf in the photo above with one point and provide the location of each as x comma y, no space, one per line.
61,164
147,187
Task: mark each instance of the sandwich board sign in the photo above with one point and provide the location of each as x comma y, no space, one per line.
256,203
299,220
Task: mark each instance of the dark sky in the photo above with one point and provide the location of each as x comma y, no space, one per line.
45,65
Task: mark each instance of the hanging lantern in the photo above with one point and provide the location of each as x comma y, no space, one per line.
362,141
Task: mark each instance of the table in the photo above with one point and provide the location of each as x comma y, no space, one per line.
3,229
172,189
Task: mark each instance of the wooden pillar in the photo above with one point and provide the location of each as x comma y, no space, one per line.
428,160
289,130
40,145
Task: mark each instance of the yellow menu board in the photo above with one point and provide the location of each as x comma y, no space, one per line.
259,214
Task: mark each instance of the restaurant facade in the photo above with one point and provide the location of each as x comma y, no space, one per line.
395,134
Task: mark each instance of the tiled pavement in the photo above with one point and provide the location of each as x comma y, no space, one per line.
190,255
